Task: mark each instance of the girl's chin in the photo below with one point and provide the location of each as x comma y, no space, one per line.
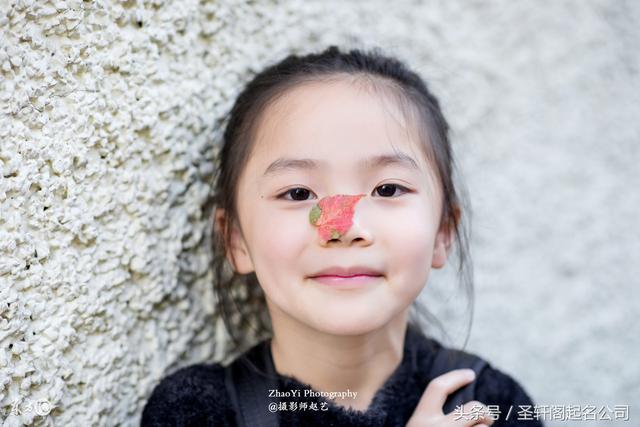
348,325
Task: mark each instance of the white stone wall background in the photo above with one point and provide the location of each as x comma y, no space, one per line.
109,116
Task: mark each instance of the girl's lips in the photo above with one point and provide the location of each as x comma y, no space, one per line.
357,279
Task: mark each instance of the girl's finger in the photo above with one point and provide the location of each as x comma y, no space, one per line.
439,388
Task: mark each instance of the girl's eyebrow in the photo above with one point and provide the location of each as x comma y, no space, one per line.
287,164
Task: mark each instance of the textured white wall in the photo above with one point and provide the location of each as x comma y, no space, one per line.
109,115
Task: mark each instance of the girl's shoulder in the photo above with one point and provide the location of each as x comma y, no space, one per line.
506,398
192,395
494,387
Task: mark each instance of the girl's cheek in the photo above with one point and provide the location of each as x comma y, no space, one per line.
409,239
280,232
404,223
413,228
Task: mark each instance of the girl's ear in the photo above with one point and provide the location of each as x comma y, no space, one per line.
237,251
444,240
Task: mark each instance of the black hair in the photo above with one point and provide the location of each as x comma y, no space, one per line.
240,301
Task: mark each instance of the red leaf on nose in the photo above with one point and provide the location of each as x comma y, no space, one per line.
334,215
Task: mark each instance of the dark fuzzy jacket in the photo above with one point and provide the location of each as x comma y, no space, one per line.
196,396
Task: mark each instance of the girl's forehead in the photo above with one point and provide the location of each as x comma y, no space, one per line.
334,122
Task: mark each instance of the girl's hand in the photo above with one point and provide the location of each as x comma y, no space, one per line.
429,413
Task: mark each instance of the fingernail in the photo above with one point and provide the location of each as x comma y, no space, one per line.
470,373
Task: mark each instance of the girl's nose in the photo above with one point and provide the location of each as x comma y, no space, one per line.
335,218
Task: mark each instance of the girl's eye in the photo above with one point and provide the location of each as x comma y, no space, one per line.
301,194
297,194
387,190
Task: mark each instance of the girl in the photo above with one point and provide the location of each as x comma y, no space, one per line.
334,200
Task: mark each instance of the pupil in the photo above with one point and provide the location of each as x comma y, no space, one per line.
388,187
299,192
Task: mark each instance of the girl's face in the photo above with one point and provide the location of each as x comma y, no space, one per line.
337,127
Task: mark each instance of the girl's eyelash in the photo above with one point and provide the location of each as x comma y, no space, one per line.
281,195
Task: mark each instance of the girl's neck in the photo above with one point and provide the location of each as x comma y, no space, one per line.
327,362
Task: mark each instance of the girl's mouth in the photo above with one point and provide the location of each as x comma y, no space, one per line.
354,280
